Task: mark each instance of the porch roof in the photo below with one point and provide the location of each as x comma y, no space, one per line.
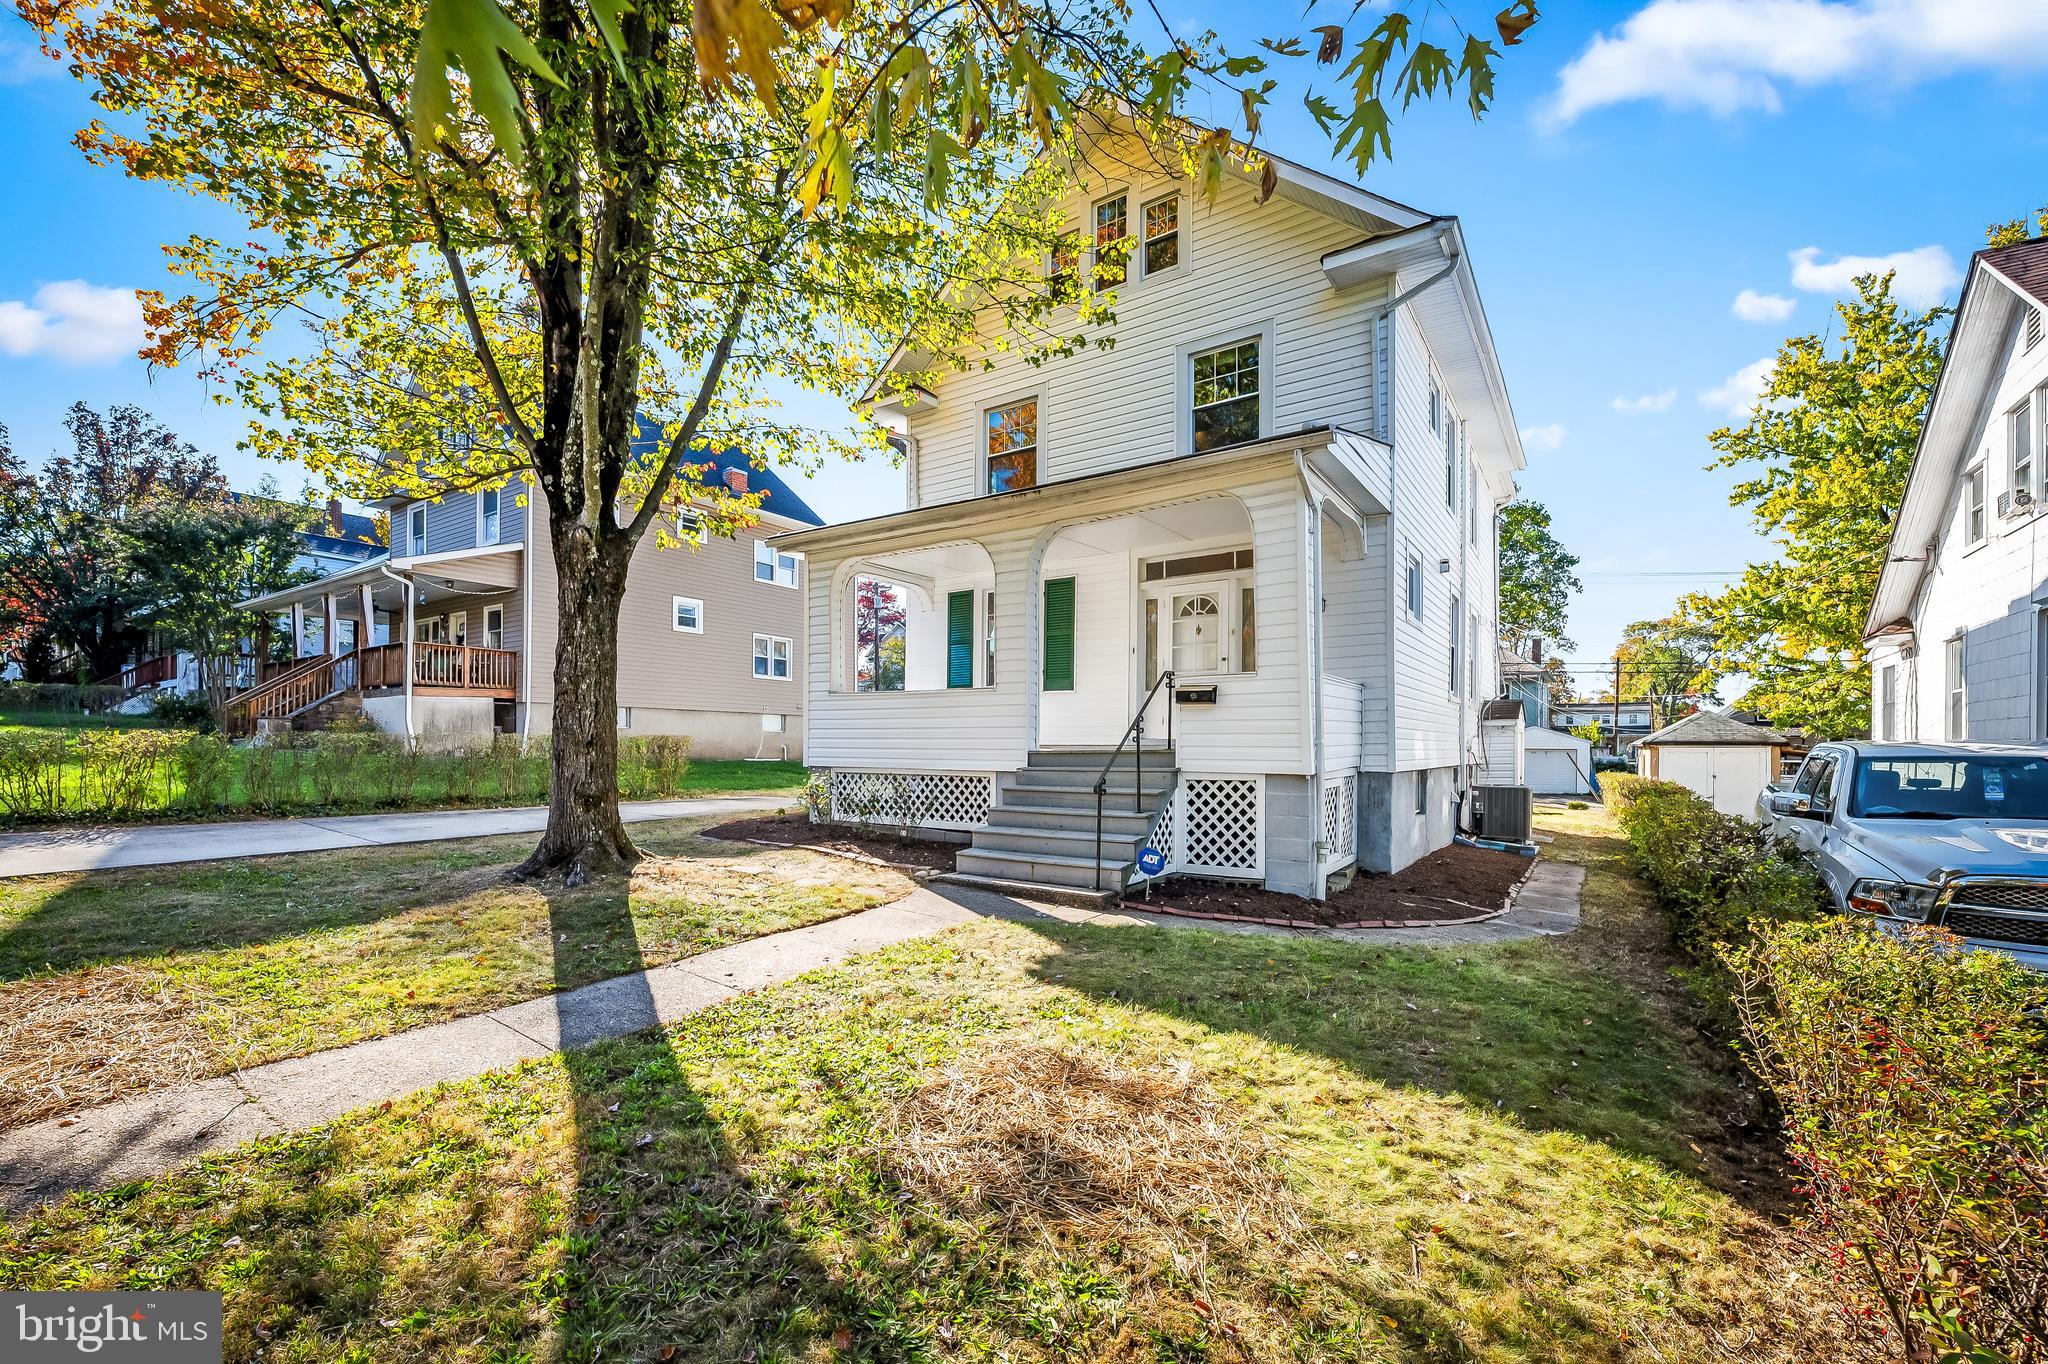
1047,499
458,573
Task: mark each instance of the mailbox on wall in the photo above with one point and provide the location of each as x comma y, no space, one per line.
1195,696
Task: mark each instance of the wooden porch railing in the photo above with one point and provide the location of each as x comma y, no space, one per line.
291,691
449,667
147,673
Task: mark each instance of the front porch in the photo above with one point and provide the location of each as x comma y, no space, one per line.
428,637
975,677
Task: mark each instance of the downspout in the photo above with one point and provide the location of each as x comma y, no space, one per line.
405,648
1315,658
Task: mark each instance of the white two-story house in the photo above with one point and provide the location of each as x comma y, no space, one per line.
1279,487
1958,632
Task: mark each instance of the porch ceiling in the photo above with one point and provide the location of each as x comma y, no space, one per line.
495,571
1204,519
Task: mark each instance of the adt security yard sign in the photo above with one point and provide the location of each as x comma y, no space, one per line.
1151,861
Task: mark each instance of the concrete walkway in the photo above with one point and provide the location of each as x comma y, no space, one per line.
146,1135
150,845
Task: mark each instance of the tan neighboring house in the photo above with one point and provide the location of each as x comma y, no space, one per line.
451,636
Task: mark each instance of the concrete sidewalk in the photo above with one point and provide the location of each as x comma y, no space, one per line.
150,845
151,1133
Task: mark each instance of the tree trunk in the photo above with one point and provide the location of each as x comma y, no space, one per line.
585,838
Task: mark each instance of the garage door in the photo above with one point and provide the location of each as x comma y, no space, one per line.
1553,772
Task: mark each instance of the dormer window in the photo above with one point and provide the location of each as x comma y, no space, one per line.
1013,446
1112,227
416,529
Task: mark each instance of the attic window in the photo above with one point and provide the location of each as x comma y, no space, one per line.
2033,328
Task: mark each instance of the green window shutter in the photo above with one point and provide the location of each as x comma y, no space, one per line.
960,639
1059,634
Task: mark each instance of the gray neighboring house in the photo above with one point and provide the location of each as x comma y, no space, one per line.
451,636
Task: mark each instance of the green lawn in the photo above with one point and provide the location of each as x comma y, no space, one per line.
1327,1153
116,981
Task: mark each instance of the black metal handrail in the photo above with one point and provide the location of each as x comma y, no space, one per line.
1134,734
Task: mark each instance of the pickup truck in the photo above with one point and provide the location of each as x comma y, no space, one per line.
1954,834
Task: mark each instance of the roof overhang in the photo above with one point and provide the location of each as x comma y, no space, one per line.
1986,320
1451,316
455,573
1046,501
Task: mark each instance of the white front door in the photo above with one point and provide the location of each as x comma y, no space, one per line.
1188,628
458,627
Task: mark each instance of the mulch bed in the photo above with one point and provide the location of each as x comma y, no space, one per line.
1452,885
798,831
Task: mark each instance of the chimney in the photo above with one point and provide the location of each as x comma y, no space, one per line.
1536,651
334,516
736,479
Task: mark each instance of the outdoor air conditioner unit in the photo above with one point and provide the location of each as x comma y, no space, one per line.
1502,813
2015,503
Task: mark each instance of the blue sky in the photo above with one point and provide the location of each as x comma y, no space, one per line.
1644,165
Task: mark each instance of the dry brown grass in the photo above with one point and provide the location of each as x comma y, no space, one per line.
1070,1142
123,1028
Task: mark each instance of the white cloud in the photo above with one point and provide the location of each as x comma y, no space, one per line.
1648,402
1725,56
21,63
1739,392
72,321
1923,276
1752,306
1543,440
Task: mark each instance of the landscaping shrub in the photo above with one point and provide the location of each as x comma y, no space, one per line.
653,765
59,698
1914,1080
124,771
1718,875
269,772
205,766
32,773
187,711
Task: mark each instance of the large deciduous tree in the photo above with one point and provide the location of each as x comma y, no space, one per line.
1669,663
1825,453
652,208
1537,578
66,536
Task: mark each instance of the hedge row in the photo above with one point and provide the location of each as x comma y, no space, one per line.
1912,1073
132,773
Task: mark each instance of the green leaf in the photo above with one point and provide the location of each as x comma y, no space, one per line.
471,34
606,13
1428,67
1367,125
1321,110
1243,66
1477,69
939,151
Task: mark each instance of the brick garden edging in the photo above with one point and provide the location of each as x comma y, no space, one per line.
1159,907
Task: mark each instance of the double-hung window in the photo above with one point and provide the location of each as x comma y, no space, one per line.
1888,700
487,517
416,530
689,615
771,657
2019,425
1958,698
1973,506
1472,658
1457,643
1112,242
1063,269
1414,587
1450,461
1162,234
1012,434
771,566
1226,396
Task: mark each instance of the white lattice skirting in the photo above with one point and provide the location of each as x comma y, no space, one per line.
1215,826
1340,822
923,800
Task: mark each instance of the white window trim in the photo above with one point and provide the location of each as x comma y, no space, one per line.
499,612
767,554
1955,719
1184,372
1457,658
2021,423
675,613
1093,284
1037,446
1977,497
1413,587
497,530
788,653
416,512
1180,234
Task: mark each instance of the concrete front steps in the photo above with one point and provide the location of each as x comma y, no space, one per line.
1039,840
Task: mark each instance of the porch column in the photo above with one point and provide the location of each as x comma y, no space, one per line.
328,622
366,633
298,629
406,657
262,646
